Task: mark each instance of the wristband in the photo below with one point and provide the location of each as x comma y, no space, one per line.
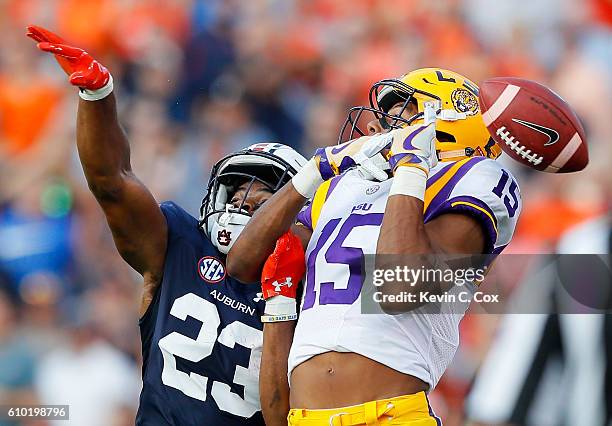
308,179
278,318
409,181
96,95
280,305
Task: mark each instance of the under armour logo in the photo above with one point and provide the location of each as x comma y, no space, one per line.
258,297
277,285
224,237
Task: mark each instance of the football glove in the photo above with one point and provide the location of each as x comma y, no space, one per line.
335,160
414,146
83,70
412,155
280,276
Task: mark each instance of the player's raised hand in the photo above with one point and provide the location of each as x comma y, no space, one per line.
280,276
415,146
412,155
335,160
82,69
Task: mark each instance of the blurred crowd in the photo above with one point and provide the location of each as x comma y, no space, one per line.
196,79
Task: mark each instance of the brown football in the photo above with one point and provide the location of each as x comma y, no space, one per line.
533,125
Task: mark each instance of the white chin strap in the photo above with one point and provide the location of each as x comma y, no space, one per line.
451,115
227,227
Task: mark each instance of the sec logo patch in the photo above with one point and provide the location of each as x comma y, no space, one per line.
211,269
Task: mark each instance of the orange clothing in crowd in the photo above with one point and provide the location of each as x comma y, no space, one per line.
86,21
546,220
25,111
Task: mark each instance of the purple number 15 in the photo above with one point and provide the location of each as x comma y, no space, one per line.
338,254
499,190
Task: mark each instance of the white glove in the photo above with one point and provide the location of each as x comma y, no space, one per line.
413,154
334,160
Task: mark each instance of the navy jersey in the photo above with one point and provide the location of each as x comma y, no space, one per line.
201,337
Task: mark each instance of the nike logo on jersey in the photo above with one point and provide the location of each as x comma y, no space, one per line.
553,135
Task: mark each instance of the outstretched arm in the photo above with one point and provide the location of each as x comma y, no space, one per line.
135,219
138,226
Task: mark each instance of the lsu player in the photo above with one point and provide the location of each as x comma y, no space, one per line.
446,195
200,329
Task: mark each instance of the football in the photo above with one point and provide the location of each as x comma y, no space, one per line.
533,125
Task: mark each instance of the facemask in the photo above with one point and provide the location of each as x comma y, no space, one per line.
227,227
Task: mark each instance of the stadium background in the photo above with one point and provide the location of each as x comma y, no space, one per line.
200,78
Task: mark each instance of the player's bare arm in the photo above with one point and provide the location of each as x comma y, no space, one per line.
273,383
134,217
404,233
256,242
280,277
248,254
403,230
138,226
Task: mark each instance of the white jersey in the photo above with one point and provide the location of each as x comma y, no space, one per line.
345,216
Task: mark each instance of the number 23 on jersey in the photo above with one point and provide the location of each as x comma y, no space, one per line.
194,385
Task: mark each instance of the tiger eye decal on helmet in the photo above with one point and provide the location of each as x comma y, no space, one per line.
465,101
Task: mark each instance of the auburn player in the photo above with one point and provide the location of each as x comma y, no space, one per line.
201,330
445,194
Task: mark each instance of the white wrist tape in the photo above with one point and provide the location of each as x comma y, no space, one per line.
96,95
280,308
409,181
280,305
308,179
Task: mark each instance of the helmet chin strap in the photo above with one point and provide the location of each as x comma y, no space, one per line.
455,155
451,115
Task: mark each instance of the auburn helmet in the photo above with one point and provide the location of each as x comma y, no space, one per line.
460,130
272,164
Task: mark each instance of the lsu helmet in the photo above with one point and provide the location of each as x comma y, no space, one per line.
460,130
272,164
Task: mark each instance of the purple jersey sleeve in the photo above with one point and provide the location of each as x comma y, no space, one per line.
304,217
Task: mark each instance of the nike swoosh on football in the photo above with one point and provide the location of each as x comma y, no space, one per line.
553,135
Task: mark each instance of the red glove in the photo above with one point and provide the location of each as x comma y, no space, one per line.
83,70
280,276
